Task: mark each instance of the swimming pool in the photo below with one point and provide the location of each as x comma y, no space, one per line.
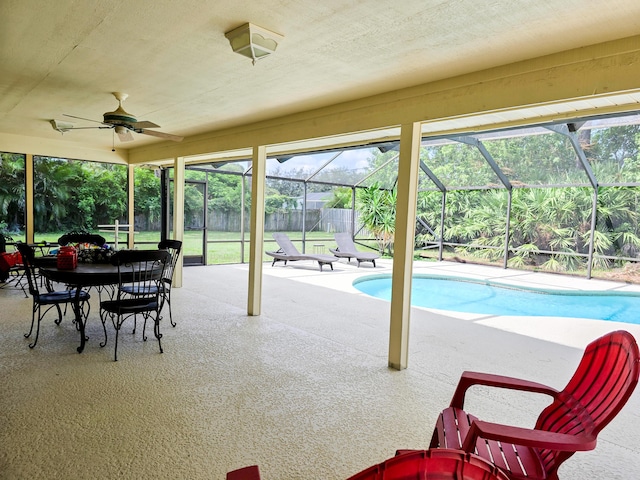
493,298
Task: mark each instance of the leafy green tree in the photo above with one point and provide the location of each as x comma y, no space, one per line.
616,146
458,165
103,195
225,192
12,191
340,175
55,182
539,159
287,187
71,195
147,196
385,166
341,198
275,202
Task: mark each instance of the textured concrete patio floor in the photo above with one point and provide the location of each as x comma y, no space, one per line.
302,390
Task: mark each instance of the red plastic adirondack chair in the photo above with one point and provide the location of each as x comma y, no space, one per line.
438,464
601,385
435,464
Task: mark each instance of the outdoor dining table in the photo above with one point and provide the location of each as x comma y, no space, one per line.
83,276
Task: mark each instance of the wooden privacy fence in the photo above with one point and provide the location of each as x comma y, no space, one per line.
328,220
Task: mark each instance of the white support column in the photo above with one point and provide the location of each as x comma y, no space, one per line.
256,245
131,217
29,205
178,214
403,245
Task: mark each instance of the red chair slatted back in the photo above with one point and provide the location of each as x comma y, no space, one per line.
600,387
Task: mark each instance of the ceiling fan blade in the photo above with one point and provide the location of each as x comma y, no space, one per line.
168,136
82,118
87,128
125,135
145,124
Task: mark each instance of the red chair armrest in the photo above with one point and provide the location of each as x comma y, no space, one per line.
468,379
526,437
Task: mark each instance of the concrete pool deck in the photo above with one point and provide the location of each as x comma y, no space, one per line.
572,332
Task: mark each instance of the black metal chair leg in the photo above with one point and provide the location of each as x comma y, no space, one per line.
59,320
35,341
115,350
156,331
104,328
173,324
84,316
144,327
33,319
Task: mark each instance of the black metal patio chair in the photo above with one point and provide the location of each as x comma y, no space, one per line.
140,275
48,298
173,247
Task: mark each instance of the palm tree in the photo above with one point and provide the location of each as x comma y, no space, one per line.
377,209
11,191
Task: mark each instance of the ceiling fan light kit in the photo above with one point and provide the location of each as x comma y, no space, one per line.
253,41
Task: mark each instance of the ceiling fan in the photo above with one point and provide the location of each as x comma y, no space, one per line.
122,122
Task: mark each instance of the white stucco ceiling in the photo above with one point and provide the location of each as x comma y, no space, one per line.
172,58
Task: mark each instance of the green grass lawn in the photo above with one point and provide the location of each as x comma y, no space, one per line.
222,247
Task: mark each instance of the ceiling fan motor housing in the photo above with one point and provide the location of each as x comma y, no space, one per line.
119,117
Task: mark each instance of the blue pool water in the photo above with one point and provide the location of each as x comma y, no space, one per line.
463,295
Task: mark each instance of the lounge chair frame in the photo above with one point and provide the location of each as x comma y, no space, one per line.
289,253
347,249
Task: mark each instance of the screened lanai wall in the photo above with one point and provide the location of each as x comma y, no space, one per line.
309,196
73,195
555,197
